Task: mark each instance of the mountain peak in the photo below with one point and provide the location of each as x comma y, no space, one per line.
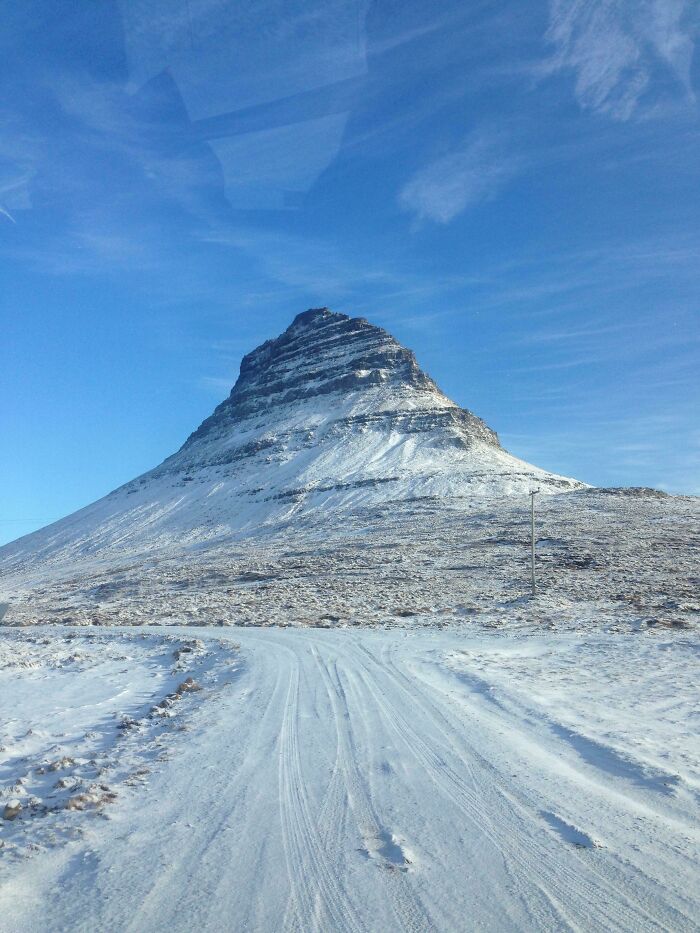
315,315
326,356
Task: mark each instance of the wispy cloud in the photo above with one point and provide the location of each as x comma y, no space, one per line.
311,265
474,172
577,334
217,385
625,54
654,447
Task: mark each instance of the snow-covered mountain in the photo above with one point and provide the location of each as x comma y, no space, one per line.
333,413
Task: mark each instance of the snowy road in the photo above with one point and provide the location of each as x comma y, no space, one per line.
350,781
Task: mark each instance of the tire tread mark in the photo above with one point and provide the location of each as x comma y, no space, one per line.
522,805
408,909
319,902
560,884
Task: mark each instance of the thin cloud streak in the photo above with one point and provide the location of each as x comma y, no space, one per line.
451,184
217,385
625,56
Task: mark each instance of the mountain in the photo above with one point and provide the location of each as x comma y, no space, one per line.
334,413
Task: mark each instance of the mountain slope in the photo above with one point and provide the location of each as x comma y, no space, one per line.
331,414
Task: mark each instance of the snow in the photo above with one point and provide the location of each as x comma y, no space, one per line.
604,560
220,502
359,780
83,716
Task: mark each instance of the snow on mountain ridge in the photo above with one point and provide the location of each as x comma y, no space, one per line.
323,353
326,370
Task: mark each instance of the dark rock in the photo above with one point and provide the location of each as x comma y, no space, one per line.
324,353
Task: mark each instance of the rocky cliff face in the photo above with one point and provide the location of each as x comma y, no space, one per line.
328,375
320,354
333,414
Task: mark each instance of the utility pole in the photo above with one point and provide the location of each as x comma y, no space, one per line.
533,493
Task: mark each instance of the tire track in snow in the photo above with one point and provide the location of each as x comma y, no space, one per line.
331,816
470,800
483,845
630,894
318,902
175,874
408,909
577,886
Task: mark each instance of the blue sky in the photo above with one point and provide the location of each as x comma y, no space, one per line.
512,189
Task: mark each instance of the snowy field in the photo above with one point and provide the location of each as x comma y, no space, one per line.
359,780
609,561
624,563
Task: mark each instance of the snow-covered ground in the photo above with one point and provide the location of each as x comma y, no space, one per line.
84,716
617,560
352,780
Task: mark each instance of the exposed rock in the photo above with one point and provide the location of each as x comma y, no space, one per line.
188,685
82,801
638,492
346,401
324,353
61,763
12,810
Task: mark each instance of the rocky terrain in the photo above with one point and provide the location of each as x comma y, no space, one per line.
623,561
86,718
